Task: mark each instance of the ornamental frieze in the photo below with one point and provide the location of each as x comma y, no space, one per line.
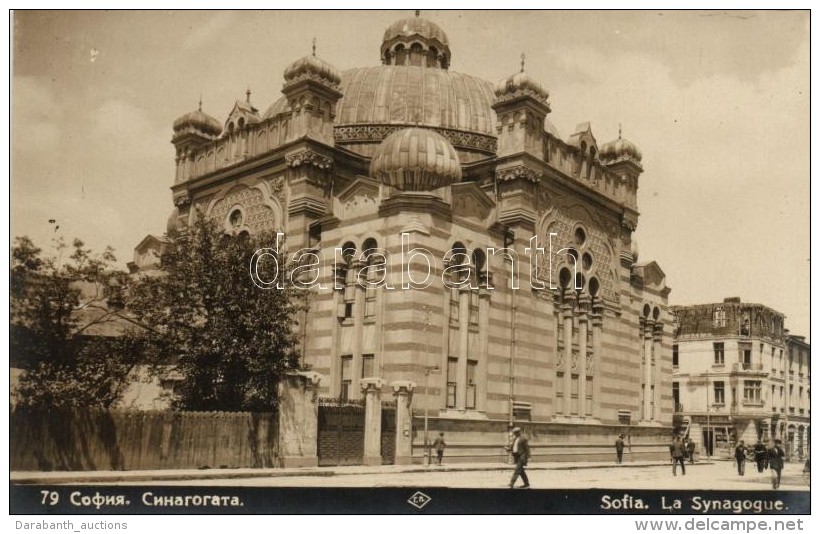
377,133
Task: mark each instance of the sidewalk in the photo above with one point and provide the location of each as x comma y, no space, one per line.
97,477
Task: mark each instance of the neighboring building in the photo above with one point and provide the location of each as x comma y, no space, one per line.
795,408
354,159
739,375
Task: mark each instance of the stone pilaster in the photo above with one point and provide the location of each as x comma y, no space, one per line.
403,390
358,325
298,419
371,387
597,319
463,345
647,369
583,325
657,361
567,309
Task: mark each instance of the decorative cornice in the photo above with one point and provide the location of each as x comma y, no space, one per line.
310,206
309,157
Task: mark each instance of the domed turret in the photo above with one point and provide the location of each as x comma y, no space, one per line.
312,67
415,41
520,84
197,122
620,149
416,159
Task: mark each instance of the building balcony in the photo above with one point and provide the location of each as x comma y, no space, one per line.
747,367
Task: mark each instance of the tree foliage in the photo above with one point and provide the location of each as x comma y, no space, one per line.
229,340
66,326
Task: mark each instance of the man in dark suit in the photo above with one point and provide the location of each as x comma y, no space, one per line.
619,449
520,449
775,456
760,456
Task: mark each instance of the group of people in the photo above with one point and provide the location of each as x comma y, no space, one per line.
679,451
764,457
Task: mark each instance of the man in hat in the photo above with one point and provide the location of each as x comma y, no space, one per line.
619,449
775,456
520,449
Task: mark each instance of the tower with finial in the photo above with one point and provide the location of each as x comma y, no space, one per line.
521,105
624,158
192,131
312,89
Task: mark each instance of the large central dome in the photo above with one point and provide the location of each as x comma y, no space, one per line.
412,88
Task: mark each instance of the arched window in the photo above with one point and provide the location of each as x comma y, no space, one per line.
479,268
400,54
372,275
416,54
349,255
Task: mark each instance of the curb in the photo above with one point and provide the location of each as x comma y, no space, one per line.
142,476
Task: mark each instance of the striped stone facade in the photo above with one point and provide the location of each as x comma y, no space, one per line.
564,355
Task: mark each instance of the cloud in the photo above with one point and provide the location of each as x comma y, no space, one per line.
36,115
210,30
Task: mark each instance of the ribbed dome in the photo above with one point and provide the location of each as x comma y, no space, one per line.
312,67
415,26
415,95
520,84
415,159
199,121
620,149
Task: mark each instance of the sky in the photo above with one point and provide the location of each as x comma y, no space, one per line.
718,103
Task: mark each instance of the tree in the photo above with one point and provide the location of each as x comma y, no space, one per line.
67,331
229,340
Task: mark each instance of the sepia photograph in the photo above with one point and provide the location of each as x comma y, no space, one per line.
424,262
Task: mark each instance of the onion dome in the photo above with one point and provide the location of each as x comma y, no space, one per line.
520,84
416,159
198,121
314,68
415,41
415,27
620,149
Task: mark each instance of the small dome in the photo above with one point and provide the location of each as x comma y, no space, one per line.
415,26
199,121
415,159
313,67
634,250
618,150
520,84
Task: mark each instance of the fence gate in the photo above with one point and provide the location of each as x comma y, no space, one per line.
340,432
388,444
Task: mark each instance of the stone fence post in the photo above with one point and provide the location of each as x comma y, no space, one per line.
298,419
403,390
371,387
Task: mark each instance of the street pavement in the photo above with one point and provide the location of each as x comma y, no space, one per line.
717,475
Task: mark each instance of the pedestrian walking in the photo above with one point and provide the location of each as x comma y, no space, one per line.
439,446
775,456
619,449
760,456
678,453
690,450
520,449
740,457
